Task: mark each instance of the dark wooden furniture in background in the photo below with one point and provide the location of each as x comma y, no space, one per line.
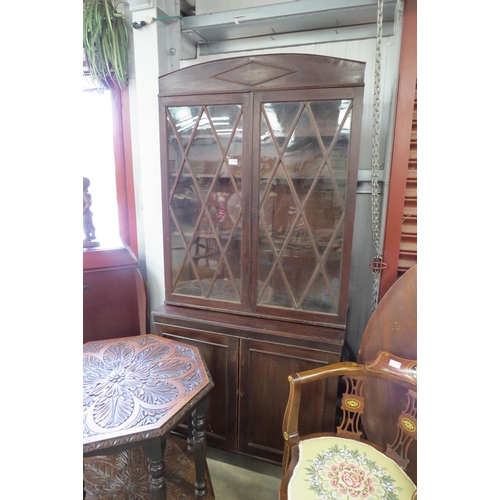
259,171
393,328
135,391
393,325
114,295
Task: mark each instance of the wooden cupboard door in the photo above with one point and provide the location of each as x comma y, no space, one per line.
264,388
220,353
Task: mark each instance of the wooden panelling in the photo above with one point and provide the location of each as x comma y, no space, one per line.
220,353
250,362
264,388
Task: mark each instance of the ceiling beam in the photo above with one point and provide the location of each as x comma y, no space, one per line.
360,32
287,17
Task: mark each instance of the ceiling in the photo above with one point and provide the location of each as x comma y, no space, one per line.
279,25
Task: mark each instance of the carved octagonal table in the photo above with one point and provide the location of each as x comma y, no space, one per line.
135,391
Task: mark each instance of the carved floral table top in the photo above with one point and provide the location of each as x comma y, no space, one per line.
136,388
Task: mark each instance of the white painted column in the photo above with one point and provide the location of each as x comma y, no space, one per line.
154,51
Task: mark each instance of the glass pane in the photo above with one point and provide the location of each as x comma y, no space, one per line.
339,156
304,158
224,119
205,200
280,117
227,120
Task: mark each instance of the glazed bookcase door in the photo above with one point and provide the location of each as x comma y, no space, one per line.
204,189
259,173
303,225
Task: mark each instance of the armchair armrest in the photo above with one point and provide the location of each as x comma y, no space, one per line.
385,366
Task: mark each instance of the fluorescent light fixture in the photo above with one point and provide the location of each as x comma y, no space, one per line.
140,4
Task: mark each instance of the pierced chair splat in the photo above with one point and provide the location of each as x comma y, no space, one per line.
344,464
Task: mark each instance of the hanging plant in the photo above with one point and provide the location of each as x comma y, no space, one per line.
105,43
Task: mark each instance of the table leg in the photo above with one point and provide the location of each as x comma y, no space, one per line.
190,434
156,467
200,448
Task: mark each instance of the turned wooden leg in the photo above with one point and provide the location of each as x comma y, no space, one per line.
156,469
200,448
190,434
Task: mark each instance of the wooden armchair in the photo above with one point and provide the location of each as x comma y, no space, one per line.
344,464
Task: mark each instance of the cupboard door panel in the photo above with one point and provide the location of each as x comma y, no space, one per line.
220,353
264,391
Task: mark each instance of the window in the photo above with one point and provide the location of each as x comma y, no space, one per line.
108,166
99,164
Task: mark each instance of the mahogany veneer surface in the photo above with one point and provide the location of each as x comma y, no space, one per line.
250,360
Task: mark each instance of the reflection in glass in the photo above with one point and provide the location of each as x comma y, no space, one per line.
204,161
303,172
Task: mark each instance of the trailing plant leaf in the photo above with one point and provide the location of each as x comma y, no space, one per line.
105,43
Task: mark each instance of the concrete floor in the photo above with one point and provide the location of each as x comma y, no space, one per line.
236,477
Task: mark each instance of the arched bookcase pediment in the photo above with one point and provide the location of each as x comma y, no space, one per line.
266,72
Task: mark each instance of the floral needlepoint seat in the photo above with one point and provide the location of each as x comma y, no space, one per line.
345,465
337,468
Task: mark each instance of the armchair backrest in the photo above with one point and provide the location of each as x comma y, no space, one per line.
356,377
394,369
391,328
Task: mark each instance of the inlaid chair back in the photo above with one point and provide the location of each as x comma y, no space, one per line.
393,328
344,462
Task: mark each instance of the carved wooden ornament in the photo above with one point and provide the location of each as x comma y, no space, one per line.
132,387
